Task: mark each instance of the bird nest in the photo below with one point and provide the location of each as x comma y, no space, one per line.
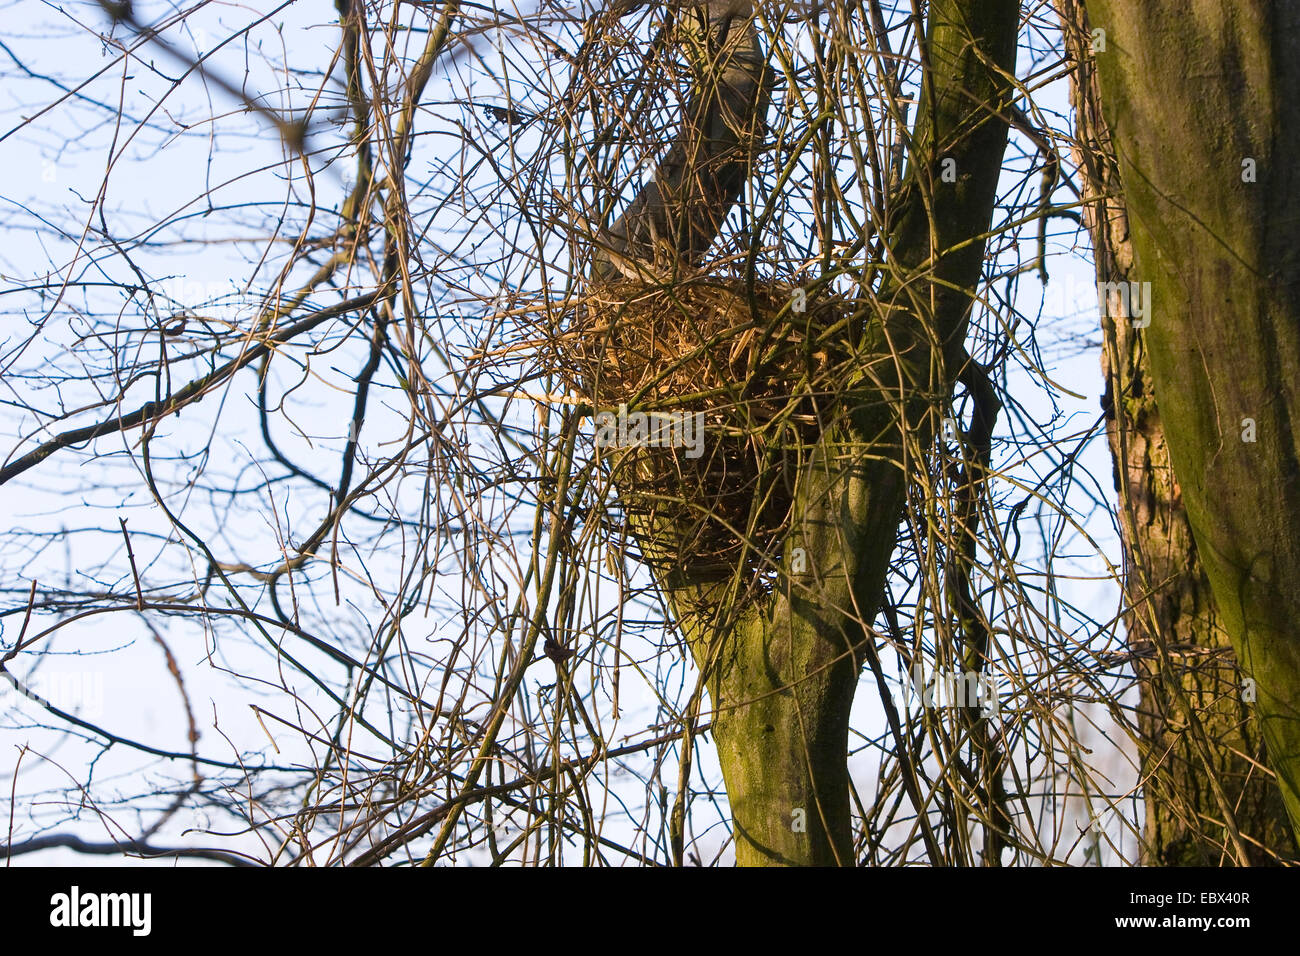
708,396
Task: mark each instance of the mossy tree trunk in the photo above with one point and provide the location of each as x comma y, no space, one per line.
781,673
1209,801
1208,173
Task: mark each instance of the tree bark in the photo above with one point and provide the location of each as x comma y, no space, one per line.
1207,171
1195,728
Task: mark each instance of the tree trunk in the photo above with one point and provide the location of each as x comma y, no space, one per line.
1195,727
1207,170
781,673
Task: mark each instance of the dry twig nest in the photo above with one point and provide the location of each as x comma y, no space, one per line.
708,397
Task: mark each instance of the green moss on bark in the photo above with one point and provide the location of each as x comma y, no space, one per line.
1224,266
